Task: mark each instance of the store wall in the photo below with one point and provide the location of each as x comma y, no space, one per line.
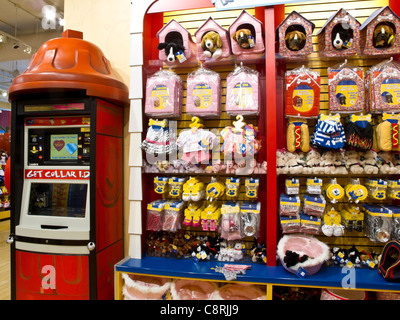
106,23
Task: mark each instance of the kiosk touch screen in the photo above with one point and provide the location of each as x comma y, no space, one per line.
58,199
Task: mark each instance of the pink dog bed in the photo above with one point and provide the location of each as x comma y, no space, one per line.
243,92
203,98
312,253
240,292
139,287
193,290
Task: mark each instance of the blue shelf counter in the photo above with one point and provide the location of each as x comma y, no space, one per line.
327,277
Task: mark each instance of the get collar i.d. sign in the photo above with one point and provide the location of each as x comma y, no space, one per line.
242,4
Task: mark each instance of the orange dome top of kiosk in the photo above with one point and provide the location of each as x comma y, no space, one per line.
70,63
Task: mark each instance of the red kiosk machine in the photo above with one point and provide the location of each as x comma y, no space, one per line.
66,178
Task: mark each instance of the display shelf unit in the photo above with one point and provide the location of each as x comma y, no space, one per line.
332,277
270,275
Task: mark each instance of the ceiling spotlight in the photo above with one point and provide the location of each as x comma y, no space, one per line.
2,38
61,21
4,93
28,50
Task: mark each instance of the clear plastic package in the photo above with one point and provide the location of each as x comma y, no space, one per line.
393,190
243,91
346,88
355,191
376,188
251,188
173,213
302,92
231,222
289,205
314,205
378,223
292,186
314,186
290,224
395,211
203,93
250,213
175,187
160,184
232,185
309,224
155,215
352,218
383,87
164,93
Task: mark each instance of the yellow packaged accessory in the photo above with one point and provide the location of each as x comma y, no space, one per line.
376,188
160,184
175,187
355,192
251,185
393,191
232,187
332,223
215,189
192,214
352,218
334,191
210,217
193,190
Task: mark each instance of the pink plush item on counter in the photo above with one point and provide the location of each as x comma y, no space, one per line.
193,290
317,252
164,95
240,292
139,287
203,98
243,92
256,48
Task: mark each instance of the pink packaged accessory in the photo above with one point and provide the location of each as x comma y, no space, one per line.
243,92
203,97
164,95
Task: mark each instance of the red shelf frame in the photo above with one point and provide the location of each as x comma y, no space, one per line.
273,96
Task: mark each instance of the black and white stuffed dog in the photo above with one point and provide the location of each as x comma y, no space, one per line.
342,36
171,48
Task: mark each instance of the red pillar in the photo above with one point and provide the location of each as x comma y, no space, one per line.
270,24
395,6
